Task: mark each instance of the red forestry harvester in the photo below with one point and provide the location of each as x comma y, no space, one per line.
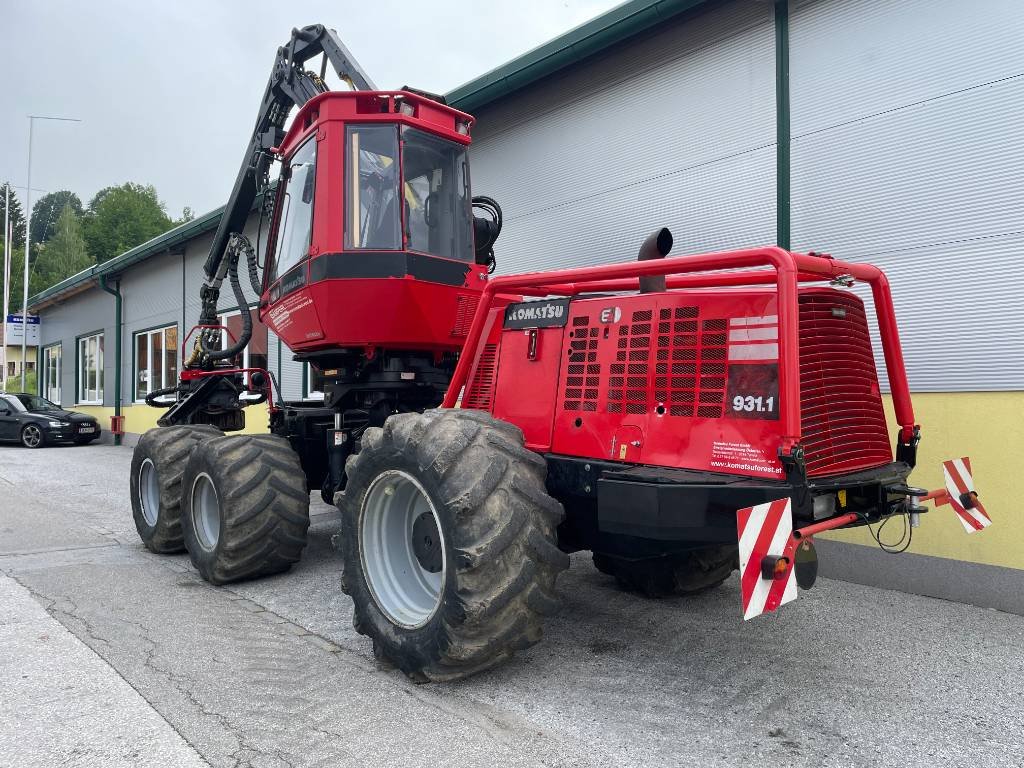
677,420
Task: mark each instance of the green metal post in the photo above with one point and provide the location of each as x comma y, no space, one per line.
782,125
116,293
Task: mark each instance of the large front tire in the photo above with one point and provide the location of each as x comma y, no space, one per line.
448,541
158,463
245,507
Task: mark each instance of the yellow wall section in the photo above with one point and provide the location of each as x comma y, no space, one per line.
987,427
141,418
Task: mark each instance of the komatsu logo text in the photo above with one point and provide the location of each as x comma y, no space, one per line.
551,313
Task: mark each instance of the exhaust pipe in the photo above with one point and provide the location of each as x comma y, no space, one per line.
656,246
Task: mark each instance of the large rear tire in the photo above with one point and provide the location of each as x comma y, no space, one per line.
245,507
158,462
448,541
680,574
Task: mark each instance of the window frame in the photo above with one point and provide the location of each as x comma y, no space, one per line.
44,380
80,385
272,255
149,332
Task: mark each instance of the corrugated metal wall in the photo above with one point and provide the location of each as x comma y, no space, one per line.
675,129
908,152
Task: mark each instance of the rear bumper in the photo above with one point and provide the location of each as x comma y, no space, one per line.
683,506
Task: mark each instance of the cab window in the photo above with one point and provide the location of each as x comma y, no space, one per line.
371,188
438,206
296,228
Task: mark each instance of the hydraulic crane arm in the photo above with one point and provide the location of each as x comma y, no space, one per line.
290,86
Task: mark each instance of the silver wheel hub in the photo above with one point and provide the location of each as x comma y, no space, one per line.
402,549
149,492
205,512
32,436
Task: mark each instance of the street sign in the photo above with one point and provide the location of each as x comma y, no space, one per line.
13,330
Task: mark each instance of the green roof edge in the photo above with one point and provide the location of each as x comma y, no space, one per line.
618,24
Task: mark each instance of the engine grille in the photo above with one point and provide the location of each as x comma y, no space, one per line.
689,364
842,420
480,392
583,379
465,308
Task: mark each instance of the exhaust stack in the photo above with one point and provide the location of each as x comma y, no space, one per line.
656,246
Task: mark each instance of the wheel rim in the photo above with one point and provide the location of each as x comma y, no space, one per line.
32,437
205,512
402,549
149,492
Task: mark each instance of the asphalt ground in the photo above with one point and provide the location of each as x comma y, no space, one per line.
146,664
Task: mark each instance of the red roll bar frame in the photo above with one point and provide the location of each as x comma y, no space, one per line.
790,269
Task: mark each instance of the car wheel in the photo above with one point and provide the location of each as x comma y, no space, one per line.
32,436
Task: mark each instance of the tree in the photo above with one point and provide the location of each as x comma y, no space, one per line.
47,210
186,215
119,218
17,217
63,255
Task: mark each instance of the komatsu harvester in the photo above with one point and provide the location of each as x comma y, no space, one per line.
680,417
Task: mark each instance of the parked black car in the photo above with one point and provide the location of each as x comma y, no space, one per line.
34,421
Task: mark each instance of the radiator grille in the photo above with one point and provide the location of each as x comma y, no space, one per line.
842,420
583,375
480,393
465,308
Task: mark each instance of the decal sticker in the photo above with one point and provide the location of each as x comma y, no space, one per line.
752,391
731,456
754,338
765,530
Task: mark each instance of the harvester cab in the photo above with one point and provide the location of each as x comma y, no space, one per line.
678,416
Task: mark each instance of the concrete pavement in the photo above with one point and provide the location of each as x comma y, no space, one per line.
271,672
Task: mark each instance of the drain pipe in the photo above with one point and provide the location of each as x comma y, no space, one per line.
116,293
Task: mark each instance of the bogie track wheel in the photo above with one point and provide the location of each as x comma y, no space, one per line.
245,507
158,463
448,541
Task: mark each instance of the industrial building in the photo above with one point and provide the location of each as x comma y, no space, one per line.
886,131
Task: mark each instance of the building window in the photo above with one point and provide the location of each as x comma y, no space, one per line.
90,369
255,353
51,373
156,360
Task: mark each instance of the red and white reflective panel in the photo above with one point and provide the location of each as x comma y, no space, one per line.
765,529
958,482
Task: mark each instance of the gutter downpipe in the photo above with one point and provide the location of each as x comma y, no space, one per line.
116,293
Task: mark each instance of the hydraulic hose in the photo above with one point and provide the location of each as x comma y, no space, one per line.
237,244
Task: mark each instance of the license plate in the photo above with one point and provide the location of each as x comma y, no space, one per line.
86,430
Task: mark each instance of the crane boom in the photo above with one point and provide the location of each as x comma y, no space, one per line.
289,86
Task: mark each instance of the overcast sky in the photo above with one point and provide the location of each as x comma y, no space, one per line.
168,90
